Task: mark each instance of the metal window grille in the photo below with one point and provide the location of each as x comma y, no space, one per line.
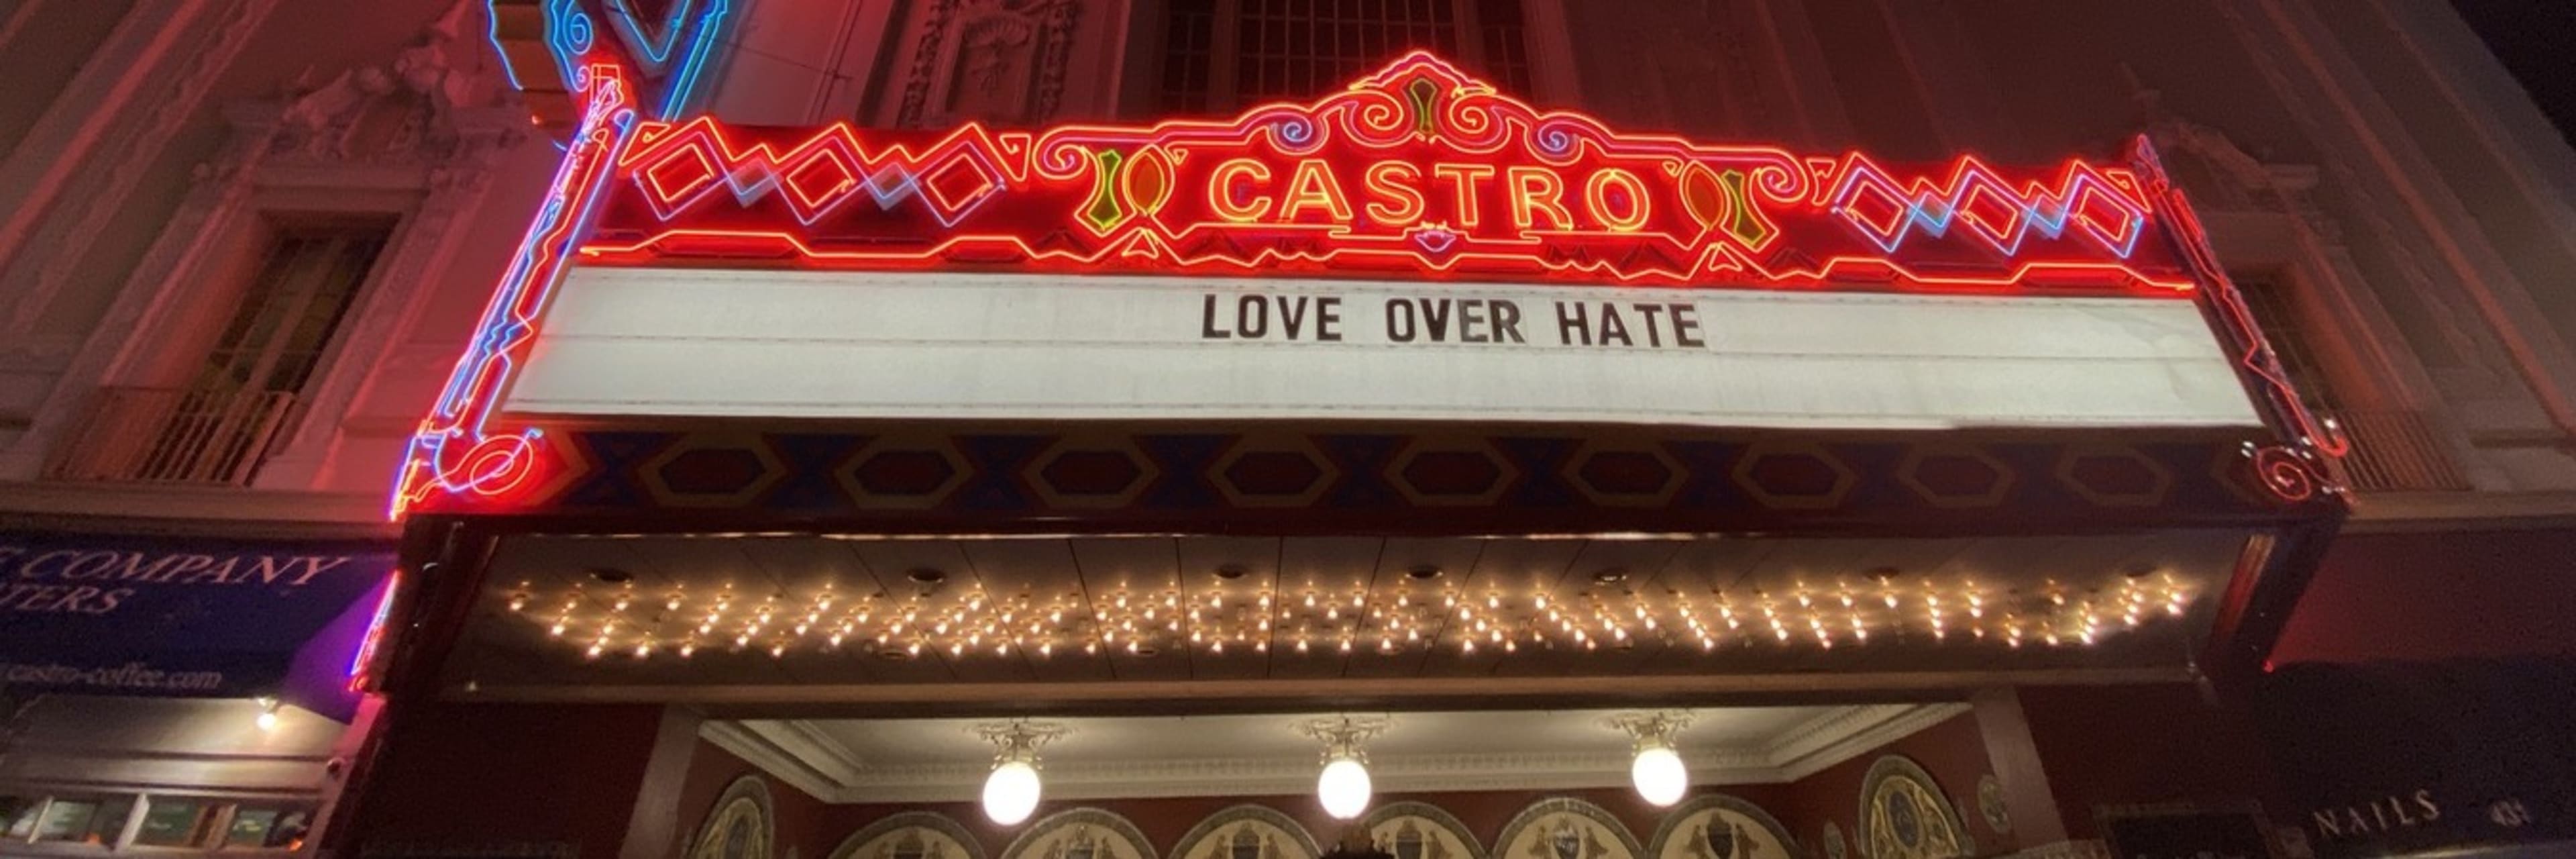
219,427
1221,54
2393,450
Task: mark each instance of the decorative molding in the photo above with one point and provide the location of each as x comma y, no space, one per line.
1270,776
353,513
826,757
757,751
1850,732
800,753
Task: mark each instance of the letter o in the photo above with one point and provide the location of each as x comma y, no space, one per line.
1400,324
1251,316
1596,196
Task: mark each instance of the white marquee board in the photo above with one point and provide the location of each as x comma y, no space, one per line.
692,342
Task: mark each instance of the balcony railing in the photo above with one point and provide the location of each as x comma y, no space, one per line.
2397,451
172,435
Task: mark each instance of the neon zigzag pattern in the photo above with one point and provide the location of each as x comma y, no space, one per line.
1735,215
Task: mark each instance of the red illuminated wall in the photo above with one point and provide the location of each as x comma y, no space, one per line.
2437,595
458,776
1952,751
2127,745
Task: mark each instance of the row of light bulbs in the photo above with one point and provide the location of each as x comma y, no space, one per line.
1141,623
1343,786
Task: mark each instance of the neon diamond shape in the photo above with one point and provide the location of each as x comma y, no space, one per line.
672,182
819,182
1999,218
2110,218
1863,186
956,185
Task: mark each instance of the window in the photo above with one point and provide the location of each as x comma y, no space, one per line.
218,423
182,822
1219,55
305,284
84,820
18,816
268,827
177,823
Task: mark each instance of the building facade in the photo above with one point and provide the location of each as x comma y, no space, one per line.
809,350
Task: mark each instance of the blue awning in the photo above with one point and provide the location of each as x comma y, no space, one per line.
100,614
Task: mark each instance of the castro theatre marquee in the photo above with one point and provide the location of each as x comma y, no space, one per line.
1407,392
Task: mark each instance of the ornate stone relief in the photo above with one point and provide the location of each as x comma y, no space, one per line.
999,61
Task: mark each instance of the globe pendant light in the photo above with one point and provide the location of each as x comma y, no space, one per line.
1344,786
1011,792
1657,771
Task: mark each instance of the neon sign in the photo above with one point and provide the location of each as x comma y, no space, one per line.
1418,171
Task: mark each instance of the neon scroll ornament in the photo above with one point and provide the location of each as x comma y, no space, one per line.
663,47
1415,172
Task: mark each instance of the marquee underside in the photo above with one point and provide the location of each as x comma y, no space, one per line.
856,623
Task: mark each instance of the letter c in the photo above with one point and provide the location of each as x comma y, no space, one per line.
1221,199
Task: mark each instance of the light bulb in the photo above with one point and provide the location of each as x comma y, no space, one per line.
267,720
1011,792
1660,777
1344,788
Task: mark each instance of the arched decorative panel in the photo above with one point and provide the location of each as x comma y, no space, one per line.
1904,814
739,825
910,835
1718,826
1247,832
1417,830
1564,828
1081,833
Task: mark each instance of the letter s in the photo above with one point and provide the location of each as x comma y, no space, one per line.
1382,181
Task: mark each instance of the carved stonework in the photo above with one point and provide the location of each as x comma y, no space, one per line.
405,111
999,61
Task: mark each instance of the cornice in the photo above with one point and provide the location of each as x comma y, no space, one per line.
1268,776
1854,731
2403,512
800,739
802,754
757,751
188,509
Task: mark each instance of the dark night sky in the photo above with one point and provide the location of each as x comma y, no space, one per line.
2537,41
